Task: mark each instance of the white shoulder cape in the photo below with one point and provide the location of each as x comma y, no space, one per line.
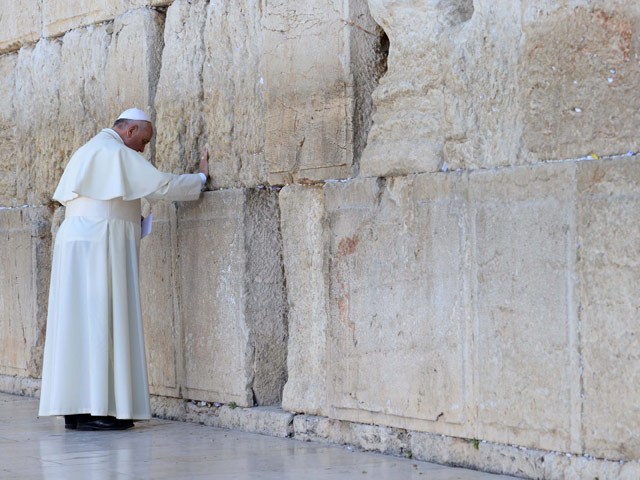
105,168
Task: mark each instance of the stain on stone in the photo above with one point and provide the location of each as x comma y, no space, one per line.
576,71
348,245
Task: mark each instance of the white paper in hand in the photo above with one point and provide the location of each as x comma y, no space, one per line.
146,225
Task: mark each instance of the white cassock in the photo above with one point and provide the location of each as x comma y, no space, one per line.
94,356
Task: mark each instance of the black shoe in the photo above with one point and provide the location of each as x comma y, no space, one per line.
103,423
71,422
125,423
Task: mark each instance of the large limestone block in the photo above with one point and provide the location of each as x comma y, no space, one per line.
20,23
62,96
158,298
309,134
234,92
305,237
483,113
398,302
24,284
178,99
609,261
38,158
318,100
232,305
209,92
60,16
8,146
135,54
579,76
410,124
526,349
556,81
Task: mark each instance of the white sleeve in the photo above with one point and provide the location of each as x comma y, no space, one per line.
180,188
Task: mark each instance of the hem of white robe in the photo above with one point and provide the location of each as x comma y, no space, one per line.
88,411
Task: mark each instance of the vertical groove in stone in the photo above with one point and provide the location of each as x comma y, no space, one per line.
265,304
369,49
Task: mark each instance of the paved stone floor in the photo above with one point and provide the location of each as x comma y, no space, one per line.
40,448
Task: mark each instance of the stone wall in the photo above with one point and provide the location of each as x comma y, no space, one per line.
421,234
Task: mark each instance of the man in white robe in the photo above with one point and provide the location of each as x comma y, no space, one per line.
94,371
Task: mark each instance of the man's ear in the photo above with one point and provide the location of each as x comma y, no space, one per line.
132,129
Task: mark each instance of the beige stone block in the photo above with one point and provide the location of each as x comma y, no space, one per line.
134,54
62,97
307,111
178,99
24,285
9,172
409,125
526,349
483,113
460,93
234,88
305,236
158,297
579,79
608,268
60,16
232,307
263,420
217,352
450,98
210,93
398,301
20,23
36,102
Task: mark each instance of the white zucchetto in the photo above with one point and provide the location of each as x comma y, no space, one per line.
134,114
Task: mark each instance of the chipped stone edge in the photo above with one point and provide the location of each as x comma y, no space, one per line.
429,447
16,385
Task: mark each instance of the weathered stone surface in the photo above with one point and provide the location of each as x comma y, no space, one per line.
410,101
218,356
609,253
60,16
398,301
265,309
311,428
8,159
233,89
163,337
309,134
451,98
210,93
579,79
135,53
368,51
526,365
305,236
232,299
19,385
178,99
467,95
318,100
483,113
25,248
264,420
55,113
20,23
